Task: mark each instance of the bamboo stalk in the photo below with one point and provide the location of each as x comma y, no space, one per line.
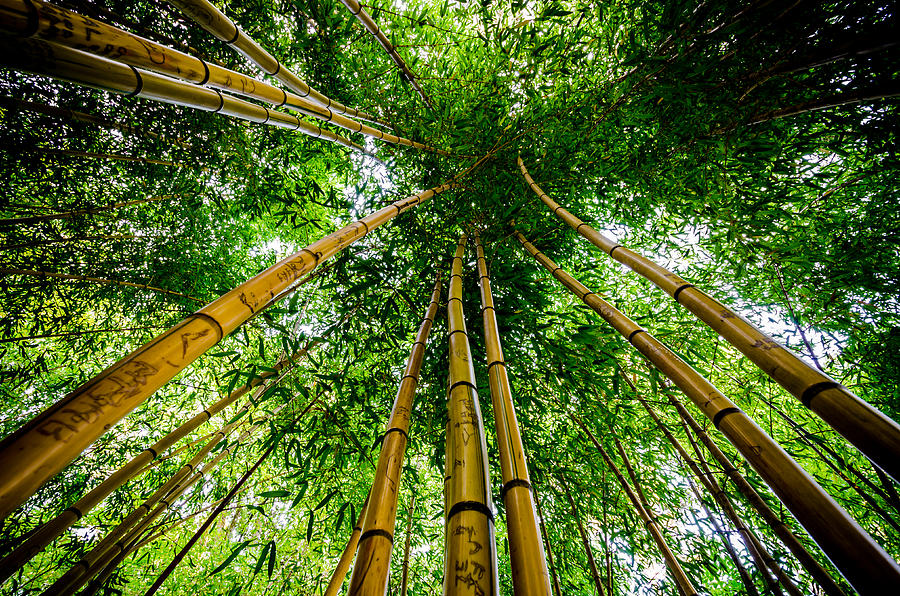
470,561
97,38
373,558
71,277
19,221
409,519
220,26
212,517
873,433
681,579
592,564
862,560
60,62
108,156
38,450
547,549
527,559
50,530
343,566
784,533
356,10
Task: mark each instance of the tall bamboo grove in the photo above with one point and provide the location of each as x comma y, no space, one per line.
470,554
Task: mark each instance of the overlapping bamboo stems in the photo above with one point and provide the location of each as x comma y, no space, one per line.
53,60
527,560
42,447
157,584
761,557
585,542
470,555
357,10
96,38
862,560
373,557
873,433
778,527
547,549
343,566
220,26
681,579
50,530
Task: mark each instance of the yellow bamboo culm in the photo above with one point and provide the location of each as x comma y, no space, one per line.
526,553
873,433
373,559
862,561
60,62
214,21
343,566
685,586
369,24
44,445
470,554
97,38
50,530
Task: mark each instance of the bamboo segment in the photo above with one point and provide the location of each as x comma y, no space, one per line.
470,559
592,564
52,60
56,526
220,26
681,579
529,566
373,559
818,573
41,448
873,433
862,561
357,10
107,41
343,566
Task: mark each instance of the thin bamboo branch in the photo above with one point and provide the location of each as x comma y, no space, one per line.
98,280
404,579
592,564
19,221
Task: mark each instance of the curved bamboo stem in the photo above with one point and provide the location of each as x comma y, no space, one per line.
220,26
547,549
862,560
373,558
343,566
60,62
585,542
527,559
19,221
873,433
356,10
43,446
96,38
470,561
98,280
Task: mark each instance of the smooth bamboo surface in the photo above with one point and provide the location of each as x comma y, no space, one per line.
779,528
681,579
862,560
761,557
526,553
470,554
373,559
357,10
874,434
61,62
50,530
94,37
214,21
44,445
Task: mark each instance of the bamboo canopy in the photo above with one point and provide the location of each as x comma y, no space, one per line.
343,566
862,561
373,559
214,21
50,530
527,560
873,433
470,555
57,435
96,38
357,10
53,60
681,579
